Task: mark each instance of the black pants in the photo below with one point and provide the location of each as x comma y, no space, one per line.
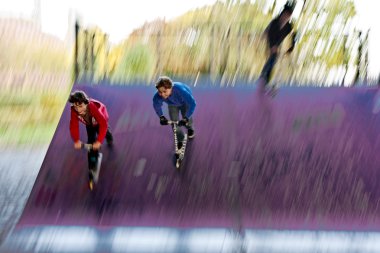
268,67
174,115
92,135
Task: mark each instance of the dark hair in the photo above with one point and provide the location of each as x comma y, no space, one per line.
288,7
164,81
79,96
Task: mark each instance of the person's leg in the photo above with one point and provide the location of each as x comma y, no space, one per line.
109,137
92,133
190,126
268,67
174,115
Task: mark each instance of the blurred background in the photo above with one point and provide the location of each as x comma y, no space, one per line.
47,46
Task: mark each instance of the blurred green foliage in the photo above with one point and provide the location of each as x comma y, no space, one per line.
35,80
226,39
137,62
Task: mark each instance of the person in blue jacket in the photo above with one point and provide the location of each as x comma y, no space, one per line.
179,98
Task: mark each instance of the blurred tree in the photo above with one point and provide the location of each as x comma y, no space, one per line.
225,39
135,63
325,36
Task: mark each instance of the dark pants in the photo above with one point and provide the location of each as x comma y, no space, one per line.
174,115
268,67
92,135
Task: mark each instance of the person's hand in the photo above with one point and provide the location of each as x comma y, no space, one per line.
183,122
274,50
96,145
78,145
163,120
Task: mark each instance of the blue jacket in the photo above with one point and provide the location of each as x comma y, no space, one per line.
181,95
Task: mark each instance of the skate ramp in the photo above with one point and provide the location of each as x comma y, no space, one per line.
305,159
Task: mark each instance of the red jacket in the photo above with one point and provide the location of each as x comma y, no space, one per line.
99,116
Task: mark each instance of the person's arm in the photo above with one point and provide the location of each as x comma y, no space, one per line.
74,128
101,119
190,103
157,105
267,30
293,42
269,34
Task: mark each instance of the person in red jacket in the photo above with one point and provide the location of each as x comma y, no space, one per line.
94,115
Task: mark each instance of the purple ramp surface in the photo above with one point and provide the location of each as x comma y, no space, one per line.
306,159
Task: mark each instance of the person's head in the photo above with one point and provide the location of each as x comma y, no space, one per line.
164,86
287,12
79,100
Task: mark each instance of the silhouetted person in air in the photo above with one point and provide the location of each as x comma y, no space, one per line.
278,29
